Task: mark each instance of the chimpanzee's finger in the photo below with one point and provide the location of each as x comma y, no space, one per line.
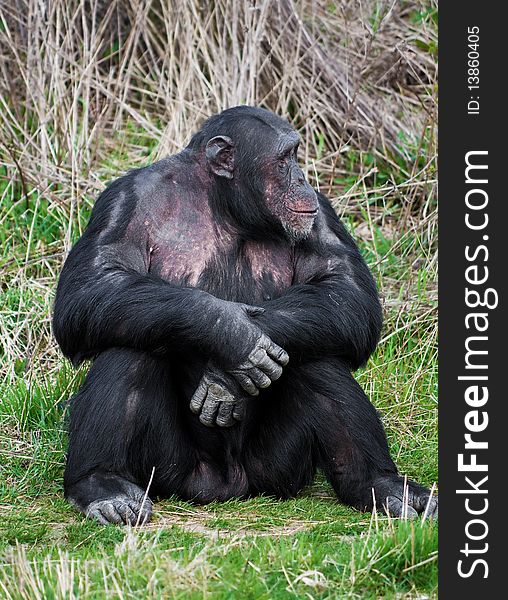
225,414
246,382
239,410
210,406
275,351
216,395
259,358
272,369
259,378
208,411
199,396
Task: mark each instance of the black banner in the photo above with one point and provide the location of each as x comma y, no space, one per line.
473,233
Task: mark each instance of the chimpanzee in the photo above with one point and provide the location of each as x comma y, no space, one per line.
224,306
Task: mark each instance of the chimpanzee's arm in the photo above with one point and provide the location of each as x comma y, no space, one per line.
107,297
335,309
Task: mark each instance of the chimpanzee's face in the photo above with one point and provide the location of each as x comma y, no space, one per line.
262,160
288,195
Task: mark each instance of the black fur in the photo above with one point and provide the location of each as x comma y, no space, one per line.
152,331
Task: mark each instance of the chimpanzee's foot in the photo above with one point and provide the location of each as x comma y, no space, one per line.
404,498
109,498
121,510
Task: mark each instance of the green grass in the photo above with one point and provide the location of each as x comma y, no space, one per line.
108,562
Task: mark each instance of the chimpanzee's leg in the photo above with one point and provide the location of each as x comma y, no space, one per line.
318,414
122,425
352,446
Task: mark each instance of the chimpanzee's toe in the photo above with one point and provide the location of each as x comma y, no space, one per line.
120,510
405,499
395,507
431,508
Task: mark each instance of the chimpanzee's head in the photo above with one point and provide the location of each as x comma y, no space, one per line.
252,156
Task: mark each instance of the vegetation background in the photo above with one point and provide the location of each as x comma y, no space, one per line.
92,88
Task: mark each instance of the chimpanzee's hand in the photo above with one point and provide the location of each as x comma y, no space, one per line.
243,350
262,366
218,399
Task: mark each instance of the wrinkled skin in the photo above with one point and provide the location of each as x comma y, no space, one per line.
220,396
400,498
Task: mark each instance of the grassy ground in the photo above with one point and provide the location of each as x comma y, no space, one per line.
76,110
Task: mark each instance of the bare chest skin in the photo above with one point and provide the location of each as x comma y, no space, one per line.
187,247
182,241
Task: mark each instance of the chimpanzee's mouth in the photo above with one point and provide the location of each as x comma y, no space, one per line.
309,213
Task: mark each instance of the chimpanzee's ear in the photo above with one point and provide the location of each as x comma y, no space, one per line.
220,155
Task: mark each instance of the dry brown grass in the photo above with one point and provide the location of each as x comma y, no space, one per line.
90,88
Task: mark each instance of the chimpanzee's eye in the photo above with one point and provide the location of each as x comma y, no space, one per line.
283,159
